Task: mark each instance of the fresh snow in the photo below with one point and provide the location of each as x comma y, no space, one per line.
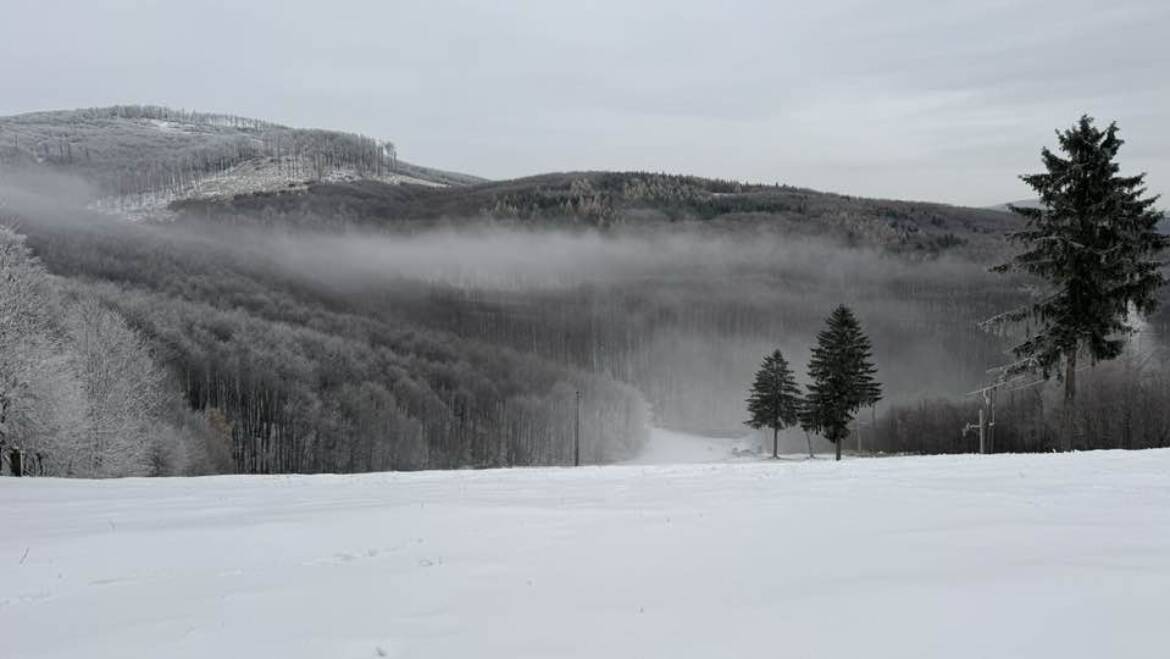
172,126
1035,556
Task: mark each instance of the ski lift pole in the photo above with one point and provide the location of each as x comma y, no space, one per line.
577,433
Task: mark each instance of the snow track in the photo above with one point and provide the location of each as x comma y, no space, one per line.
1000,556
667,447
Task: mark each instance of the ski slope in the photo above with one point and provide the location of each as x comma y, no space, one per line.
667,447
1059,556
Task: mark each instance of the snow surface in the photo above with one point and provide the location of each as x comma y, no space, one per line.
963,556
670,447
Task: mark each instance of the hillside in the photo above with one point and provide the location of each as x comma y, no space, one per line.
139,158
1060,556
624,200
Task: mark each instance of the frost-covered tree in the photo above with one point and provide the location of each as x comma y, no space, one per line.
841,374
80,394
774,401
1094,242
42,403
125,391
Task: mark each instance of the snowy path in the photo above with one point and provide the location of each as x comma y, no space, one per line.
1058,556
667,447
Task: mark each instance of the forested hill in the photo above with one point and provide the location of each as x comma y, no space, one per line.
145,162
133,149
609,200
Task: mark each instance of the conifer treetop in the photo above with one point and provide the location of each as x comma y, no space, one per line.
1094,242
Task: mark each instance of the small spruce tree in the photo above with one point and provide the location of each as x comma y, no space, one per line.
1094,241
841,374
775,398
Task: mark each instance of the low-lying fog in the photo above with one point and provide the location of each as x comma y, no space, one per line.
684,312
686,315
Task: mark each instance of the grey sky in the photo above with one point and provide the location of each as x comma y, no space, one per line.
921,99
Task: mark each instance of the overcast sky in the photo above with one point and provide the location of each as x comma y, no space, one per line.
918,99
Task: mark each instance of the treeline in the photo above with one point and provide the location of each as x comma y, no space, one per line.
607,198
305,381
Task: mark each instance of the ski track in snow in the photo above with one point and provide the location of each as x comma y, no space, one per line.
1060,556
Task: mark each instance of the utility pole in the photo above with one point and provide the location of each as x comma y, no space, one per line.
982,431
858,423
989,401
577,434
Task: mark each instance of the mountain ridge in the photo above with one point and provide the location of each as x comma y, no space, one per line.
618,202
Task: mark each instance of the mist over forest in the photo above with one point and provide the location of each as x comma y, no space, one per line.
332,324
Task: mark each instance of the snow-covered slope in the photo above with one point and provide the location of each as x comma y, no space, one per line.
1001,556
251,176
138,159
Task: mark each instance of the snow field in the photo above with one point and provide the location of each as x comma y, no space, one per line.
960,556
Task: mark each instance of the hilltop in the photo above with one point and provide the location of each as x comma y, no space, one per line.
138,159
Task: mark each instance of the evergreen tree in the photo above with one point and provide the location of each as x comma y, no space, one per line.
1094,241
775,399
841,372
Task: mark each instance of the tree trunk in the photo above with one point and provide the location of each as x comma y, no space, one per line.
775,442
838,443
808,438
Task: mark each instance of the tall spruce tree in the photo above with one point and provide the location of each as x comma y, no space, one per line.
775,398
842,373
1094,242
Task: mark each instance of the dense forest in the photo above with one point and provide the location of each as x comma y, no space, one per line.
680,302
304,383
366,325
